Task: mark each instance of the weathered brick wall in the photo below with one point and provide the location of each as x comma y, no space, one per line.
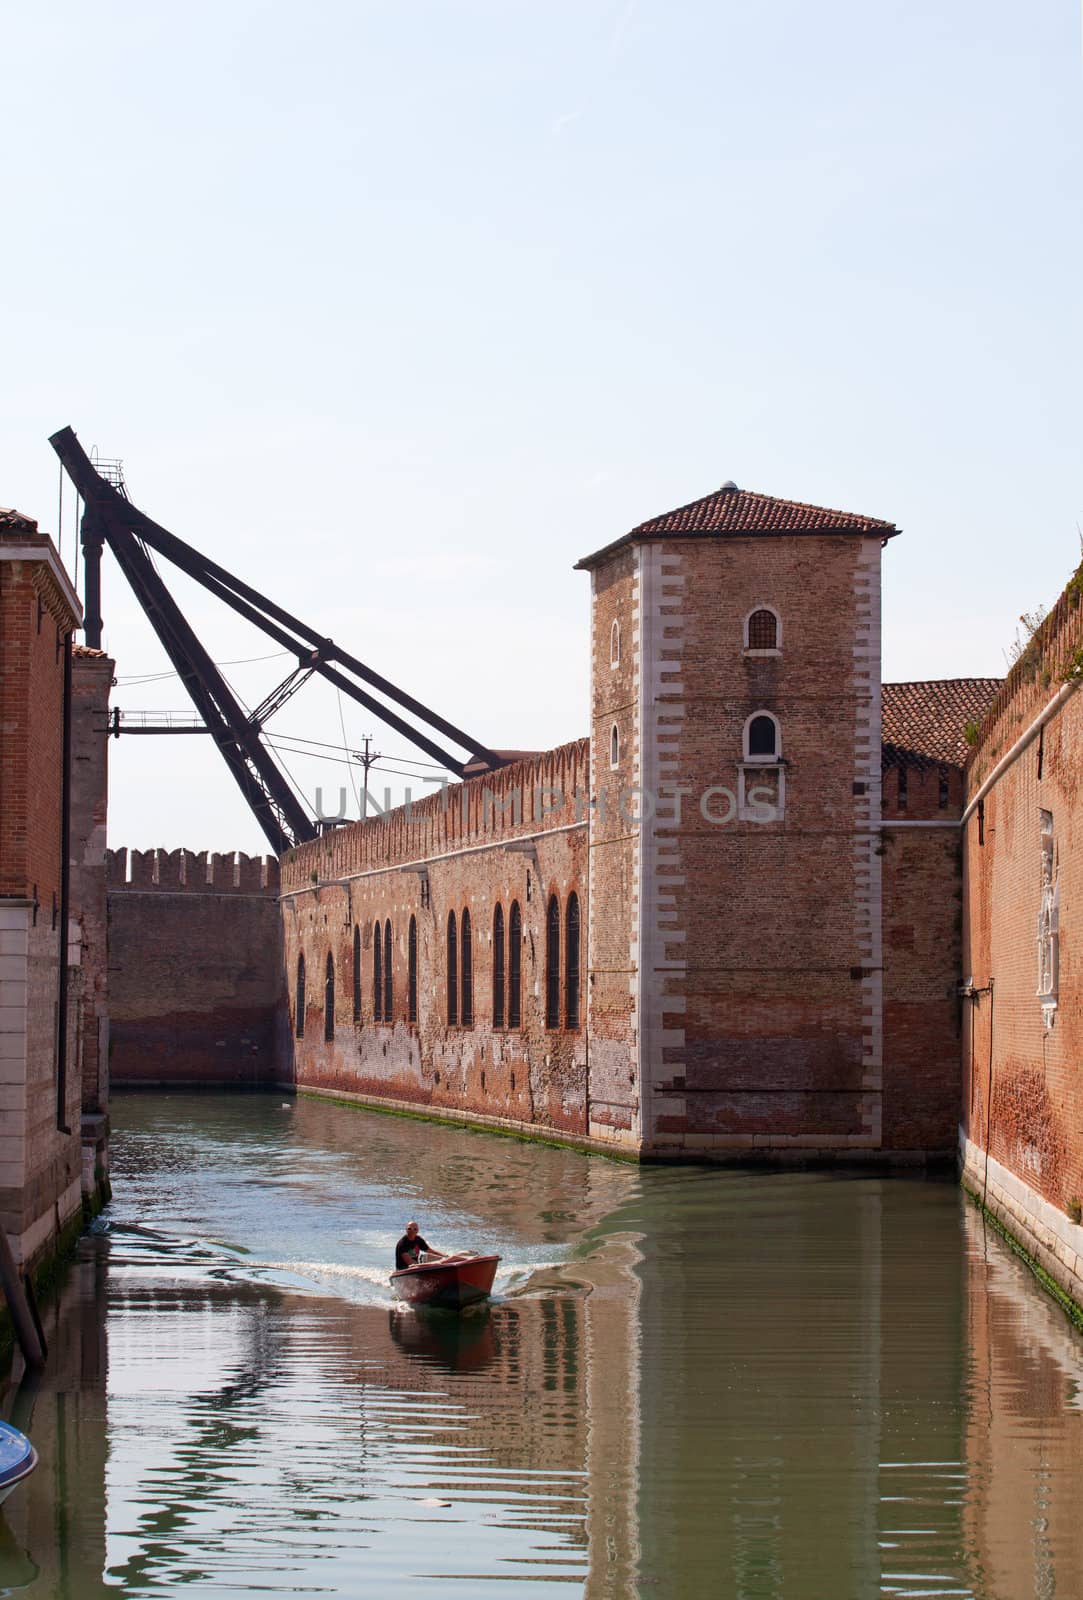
92,677
195,968
453,853
1022,1093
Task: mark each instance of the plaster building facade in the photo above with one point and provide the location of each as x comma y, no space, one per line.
52,957
704,931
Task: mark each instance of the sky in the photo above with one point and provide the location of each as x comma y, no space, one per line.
397,311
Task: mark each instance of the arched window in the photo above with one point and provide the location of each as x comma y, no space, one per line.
614,747
411,973
377,974
389,1010
571,962
762,630
762,740
300,1007
552,963
515,966
614,645
329,999
452,971
498,967
357,974
466,1010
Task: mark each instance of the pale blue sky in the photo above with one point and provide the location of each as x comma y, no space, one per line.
398,310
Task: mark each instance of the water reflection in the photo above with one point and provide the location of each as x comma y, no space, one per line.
692,1383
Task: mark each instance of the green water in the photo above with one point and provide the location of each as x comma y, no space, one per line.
689,1382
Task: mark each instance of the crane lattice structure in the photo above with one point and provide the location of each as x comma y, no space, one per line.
109,518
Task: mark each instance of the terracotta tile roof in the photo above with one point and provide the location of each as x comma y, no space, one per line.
13,522
741,513
85,653
923,723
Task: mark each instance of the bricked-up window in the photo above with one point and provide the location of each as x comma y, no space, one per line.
762,630
515,966
357,974
614,645
466,971
762,738
571,962
300,1007
498,967
411,972
452,971
904,786
552,963
329,1000
389,1009
614,747
377,974
942,797
1048,923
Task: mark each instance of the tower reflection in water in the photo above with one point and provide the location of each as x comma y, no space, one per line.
825,1386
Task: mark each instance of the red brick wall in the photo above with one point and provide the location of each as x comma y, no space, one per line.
451,854
1022,1092
195,968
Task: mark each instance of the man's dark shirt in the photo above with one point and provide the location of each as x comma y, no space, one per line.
406,1251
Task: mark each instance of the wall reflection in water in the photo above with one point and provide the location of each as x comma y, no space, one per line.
748,1386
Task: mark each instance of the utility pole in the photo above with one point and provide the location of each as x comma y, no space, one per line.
367,760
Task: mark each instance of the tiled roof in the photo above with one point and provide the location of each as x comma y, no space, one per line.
13,522
923,723
85,653
741,513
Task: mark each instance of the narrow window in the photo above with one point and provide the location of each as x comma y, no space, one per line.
466,1010
329,1000
515,966
614,645
981,821
762,630
357,974
904,786
452,971
300,1009
614,747
1048,924
552,964
411,973
942,798
389,1010
571,962
498,967
377,975
761,738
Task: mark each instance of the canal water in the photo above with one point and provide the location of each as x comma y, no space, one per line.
690,1383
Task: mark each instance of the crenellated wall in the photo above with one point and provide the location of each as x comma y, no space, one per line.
195,967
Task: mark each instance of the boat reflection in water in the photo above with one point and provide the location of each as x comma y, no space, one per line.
460,1341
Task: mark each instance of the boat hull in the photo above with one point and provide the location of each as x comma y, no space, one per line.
452,1283
18,1458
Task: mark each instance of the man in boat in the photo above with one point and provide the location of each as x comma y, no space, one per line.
410,1247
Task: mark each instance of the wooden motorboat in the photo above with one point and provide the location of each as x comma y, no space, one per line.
452,1282
18,1458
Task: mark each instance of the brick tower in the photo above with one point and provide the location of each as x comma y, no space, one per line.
735,989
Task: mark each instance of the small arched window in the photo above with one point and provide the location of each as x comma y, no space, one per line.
614,747
762,629
571,962
614,645
411,973
452,971
389,1010
762,738
515,966
498,967
329,1000
377,974
466,971
357,974
299,1017
552,963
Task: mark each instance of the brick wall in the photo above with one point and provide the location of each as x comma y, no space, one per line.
1022,1095
195,967
517,837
